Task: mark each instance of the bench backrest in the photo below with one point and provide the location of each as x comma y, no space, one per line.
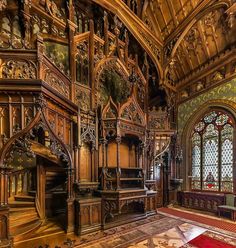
229,200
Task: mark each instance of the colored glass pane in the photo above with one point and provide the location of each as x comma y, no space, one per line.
222,119
213,141
227,159
200,126
196,161
210,117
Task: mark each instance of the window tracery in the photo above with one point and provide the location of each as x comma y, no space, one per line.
212,153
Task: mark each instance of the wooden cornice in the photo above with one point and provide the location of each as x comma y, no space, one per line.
210,66
37,86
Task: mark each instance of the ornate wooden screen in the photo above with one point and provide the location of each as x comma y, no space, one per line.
212,153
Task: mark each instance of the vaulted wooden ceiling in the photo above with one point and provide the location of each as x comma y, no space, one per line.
193,32
164,16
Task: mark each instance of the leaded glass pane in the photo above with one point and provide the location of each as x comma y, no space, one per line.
227,159
210,117
200,126
222,119
205,171
210,159
196,161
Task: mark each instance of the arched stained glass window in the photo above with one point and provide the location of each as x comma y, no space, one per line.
212,153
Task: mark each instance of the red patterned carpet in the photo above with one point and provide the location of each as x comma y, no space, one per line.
231,227
211,240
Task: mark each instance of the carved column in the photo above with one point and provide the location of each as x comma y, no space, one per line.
40,196
143,155
72,29
106,149
137,156
91,62
70,205
5,240
76,159
40,50
118,142
103,142
93,163
106,45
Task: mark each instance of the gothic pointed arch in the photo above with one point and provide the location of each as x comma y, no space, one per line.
110,111
112,79
131,111
206,127
22,139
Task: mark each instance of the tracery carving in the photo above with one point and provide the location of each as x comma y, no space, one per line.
53,80
131,113
159,119
110,110
82,98
193,39
18,69
11,33
44,26
169,47
51,8
88,134
153,47
22,145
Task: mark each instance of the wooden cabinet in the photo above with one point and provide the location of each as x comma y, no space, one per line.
87,215
122,206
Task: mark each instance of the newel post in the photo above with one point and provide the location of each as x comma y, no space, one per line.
5,240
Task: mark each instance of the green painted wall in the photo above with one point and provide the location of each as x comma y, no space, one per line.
226,91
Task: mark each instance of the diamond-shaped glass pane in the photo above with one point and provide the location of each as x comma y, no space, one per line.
210,158
212,153
227,159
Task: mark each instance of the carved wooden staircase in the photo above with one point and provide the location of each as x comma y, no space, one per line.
24,218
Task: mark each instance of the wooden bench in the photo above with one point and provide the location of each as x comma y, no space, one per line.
229,206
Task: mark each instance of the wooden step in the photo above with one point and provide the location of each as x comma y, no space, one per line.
19,204
17,210
18,224
32,193
18,216
26,230
25,198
